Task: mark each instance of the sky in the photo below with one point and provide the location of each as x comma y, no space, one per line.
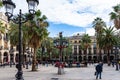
71,16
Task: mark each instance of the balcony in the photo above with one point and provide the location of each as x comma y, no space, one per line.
12,50
6,48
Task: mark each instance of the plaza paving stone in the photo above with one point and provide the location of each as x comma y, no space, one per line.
50,73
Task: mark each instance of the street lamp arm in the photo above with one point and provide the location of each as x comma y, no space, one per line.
16,19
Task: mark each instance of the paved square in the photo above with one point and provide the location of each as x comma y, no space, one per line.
50,73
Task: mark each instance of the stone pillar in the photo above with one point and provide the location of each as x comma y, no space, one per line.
2,56
72,49
14,56
77,52
92,49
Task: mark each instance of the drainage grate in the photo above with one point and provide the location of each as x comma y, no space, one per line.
54,78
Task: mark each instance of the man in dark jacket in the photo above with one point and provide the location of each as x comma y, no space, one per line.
98,70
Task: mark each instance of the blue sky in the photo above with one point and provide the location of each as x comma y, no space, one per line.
67,29
71,16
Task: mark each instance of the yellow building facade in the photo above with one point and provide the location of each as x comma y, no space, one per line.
4,42
7,53
10,53
92,54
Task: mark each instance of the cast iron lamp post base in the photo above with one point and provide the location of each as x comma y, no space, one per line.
60,71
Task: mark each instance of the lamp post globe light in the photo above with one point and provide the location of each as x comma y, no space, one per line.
19,19
60,44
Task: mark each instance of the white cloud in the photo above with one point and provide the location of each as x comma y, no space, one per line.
73,12
90,31
80,33
78,12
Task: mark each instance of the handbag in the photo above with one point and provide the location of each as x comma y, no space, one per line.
95,73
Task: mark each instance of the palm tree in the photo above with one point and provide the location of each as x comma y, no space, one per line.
115,16
38,54
48,45
68,52
37,32
98,25
55,53
33,34
13,34
108,40
85,42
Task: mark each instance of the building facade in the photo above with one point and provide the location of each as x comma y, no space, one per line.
8,53
92,53
4,42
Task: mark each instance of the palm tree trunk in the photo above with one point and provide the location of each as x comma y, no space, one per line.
100,55
108,57
34,60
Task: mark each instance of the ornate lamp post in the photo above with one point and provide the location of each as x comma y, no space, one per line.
19,19
60,44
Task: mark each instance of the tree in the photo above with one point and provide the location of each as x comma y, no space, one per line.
13,34
98,25
115,16
14,38
68,52
32,34
85,42
55,53
108,40
47,43
37,31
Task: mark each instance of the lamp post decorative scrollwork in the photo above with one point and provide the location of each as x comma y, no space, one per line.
19,19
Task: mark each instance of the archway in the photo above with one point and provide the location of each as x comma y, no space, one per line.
5,57
84,58
89,58
75,58
111,58
80,58
105,59
11,57
95,59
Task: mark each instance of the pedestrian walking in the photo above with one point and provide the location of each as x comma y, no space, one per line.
27,64
113,63
37,64
99,68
